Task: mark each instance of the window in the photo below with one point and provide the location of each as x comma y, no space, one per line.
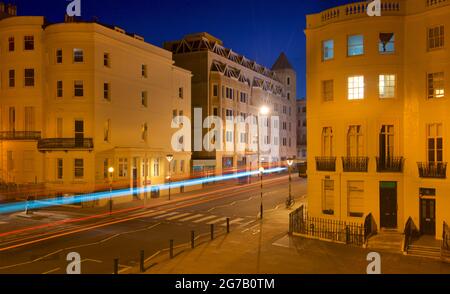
12,78
107,131
355,190
386,86
435,143
144,98
144,72
144,132
79,168
288,81
356,88
243,97
215,111
59,56
229,114
327,50
123,167
11,44
328,90
386,43
156,167
436,85
181,92
327,142
106,60
182,164
59,89
436,37
106,168
288,96
29,77
284,142
387,142
215,90
12,119
78,55
28,43
355,142
59,127
107,91
229,93
229,136
59,169
78,89
328,197
355,45
30,115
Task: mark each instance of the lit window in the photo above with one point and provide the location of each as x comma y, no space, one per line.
156,167
355,45
78,55
387,84
78,89
29,43
436,37
356,88
436,85
387,43
123,167
328,90
29,77
328,50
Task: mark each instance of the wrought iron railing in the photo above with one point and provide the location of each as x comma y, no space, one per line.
390,164
436,170
355,164
66,144
326,164
20,135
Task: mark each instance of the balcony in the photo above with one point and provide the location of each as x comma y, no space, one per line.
66,144
20,136
326,164
390,165
355,164
432,170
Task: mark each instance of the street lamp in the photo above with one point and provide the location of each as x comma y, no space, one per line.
110,171
264,110
290,162
169,158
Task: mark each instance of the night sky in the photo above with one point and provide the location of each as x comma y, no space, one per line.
258,29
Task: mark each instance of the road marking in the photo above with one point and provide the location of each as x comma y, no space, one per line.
204,219
166,215
51,271
191,217
177,216
235,221
220,219
92,260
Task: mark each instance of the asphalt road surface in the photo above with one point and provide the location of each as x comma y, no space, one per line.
38,246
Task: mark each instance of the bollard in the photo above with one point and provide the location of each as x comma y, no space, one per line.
142,261
212,231
228,225
192,239
171,249
116,266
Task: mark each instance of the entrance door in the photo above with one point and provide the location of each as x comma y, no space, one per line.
428,216
388,205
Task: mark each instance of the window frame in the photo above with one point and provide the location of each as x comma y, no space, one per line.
355,46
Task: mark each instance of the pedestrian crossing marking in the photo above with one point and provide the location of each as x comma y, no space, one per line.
154,213
178,216
191,217
220,219
235,221
166,215
204,219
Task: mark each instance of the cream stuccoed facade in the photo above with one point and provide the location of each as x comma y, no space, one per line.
78,98
227,84
378,114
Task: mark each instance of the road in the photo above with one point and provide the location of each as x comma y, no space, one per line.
38,246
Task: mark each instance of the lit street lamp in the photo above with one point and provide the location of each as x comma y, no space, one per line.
110,171
290,162
169,158
264,110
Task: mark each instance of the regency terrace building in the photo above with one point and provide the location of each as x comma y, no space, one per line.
378,114
78,98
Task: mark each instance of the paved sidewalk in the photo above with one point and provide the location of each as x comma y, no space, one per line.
266,248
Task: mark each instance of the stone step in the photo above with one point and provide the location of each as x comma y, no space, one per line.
425,249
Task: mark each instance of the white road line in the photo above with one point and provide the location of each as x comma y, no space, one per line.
191,218
220,219
238,220
153,213
166,215
178,216
204,219
51,271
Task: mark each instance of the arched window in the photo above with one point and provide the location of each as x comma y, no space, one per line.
387,142
327,142
355,143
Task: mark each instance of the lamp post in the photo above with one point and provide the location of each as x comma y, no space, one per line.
290,162
169,158
264,110
110,171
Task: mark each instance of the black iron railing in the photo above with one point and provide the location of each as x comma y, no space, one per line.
17,136
390,164
66,144
436,170
326,164
355,164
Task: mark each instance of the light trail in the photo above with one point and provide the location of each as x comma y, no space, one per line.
52,202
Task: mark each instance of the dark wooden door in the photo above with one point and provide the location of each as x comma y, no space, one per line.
428,216
388,205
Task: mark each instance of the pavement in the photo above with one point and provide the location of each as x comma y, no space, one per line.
266,248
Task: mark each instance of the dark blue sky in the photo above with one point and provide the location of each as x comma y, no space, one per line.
258,29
